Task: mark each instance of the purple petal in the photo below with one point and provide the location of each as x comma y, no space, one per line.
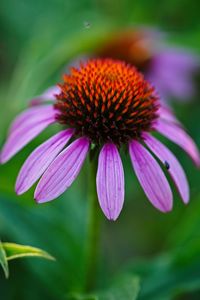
179,59
110,181
40,159
22,137
180,137
166,113
151,177
62,172
167,84
48,95
171,72
31,116
175,169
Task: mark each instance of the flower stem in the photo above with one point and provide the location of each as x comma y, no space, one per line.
93,229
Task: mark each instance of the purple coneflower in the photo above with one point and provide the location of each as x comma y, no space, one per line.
108,104
170,69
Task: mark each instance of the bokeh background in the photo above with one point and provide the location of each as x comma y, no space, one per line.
160,251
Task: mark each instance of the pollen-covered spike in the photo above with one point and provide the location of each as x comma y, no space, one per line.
106,100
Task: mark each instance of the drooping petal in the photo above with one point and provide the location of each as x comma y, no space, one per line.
31,116
40,159
166,113
174,168
151,177
22,137
48,95
110,181
62,171
179,137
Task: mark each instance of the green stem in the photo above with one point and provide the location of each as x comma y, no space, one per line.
93,230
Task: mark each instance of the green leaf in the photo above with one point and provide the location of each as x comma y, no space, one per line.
14,251
9,251
165,278
64,231
127,287
3,260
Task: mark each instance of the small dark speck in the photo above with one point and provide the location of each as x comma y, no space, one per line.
167,165
86,24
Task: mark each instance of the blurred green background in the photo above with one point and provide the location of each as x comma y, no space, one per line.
161,253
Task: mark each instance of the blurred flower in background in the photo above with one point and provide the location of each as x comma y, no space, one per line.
108,103
170,69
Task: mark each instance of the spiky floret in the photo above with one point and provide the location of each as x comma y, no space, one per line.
107,100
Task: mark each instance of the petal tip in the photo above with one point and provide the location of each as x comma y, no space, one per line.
186,200
17,187
18,191
167,207
38,199
168,210
111,216
3,158
196,158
